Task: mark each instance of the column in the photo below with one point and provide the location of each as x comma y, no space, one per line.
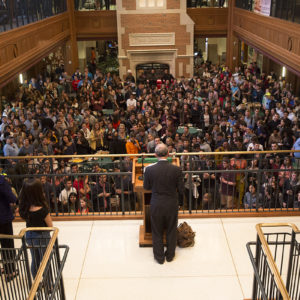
71,60
231,39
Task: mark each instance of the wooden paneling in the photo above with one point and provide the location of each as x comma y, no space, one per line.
278,39
232,41
96,24
209,22
71,57
25,46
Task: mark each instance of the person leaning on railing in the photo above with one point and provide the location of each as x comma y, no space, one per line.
35,211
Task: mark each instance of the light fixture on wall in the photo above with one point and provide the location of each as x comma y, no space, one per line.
21,78
283,73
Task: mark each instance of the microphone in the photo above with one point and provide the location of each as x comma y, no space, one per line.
142,176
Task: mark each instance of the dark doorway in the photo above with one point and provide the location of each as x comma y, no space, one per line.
146,69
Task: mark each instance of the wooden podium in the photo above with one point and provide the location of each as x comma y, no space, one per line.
145,235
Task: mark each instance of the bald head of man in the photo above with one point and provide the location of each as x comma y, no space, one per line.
161,151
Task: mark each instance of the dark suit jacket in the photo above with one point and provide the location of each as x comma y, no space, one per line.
166,182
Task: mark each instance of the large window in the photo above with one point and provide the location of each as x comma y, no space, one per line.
141,4
284,9
147,68
94,4
206,3
15,13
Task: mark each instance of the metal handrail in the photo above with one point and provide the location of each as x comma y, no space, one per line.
39,275
271,262
152,154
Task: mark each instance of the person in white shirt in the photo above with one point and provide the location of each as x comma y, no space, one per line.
86,131
65,193
3,124
131,102
291,115
254,145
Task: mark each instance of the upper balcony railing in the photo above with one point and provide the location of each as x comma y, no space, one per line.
95,5
288,10
240,183
206,3
111,4
17,13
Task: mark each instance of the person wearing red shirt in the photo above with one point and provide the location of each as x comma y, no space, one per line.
75,83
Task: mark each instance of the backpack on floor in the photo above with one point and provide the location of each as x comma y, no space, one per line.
185,235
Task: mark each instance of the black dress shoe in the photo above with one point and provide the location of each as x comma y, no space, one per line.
160,261
169,259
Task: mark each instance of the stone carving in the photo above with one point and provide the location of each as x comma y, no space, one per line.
152,39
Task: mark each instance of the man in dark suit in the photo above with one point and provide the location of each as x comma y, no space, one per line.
166,182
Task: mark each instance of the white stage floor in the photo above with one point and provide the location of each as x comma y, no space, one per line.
106,262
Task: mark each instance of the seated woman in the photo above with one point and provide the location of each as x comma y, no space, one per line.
72,202
273,196
207,202
85,205
68,147
283,175
250,198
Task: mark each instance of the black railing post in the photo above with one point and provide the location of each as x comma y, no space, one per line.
190,185
26,9
11,13
259,175
53,187
257,261
122,196
61,288
16,13
290,263
26,258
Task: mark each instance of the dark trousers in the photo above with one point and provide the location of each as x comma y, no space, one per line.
221,3
159,224
7,255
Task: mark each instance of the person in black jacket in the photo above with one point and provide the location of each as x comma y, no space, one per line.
6,217
166,181
117,145
82,145
101,193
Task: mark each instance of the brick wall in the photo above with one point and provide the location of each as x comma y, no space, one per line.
173,4
157,21
156,24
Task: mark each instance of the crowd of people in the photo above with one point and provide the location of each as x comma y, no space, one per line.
217,110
